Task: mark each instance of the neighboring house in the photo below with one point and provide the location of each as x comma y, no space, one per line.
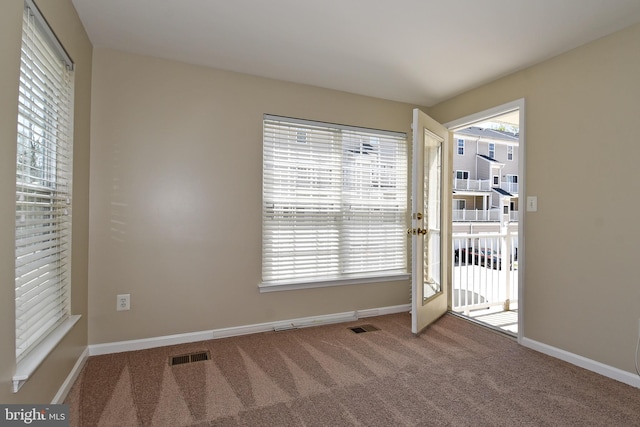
485,176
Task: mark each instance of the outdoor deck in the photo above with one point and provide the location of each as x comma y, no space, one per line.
496,317
480,292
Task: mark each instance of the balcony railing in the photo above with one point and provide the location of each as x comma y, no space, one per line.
492,215
511,187
483,185
485,271
472,184
470,215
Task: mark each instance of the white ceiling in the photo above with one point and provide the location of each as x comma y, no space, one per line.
416,51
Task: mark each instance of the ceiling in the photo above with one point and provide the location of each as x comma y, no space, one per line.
416,51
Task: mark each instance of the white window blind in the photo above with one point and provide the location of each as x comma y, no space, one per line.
334,202
43,185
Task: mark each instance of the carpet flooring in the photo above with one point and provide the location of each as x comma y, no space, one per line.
455,373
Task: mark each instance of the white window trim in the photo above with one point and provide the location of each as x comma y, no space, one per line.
28,363
463,172
489,150
458,146
292,285
510,152
400,274
27,366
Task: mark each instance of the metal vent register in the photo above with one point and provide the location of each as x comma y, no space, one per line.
364,328
189,358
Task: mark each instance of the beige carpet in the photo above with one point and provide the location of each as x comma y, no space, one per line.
454,374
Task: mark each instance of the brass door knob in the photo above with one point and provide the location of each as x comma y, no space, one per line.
415,231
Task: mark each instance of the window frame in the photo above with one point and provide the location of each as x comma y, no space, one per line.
44,165
510,152
461,172
460,147
491,150
459,204
340,144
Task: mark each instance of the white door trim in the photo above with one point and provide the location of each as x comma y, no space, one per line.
518,104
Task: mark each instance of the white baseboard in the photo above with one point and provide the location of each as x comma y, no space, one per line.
145,343
62,393
591,365
142,344
404,308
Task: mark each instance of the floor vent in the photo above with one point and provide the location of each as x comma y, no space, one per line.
364,328
189,358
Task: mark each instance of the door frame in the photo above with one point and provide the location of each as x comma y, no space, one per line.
518,104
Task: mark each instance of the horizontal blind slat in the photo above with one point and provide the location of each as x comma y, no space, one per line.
334,200
43,187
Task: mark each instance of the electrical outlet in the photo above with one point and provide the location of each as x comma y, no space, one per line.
123,302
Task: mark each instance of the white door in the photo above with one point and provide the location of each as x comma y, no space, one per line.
430,232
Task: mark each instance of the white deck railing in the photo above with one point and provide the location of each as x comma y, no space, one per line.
472,184
485,271
476,215
511,187
483,185
471,215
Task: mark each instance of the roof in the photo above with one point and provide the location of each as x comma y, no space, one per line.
502,192
478,132
489,159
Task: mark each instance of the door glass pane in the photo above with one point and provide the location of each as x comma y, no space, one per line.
432,218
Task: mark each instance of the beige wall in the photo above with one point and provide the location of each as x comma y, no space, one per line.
176,191
582,292
176,196
62,17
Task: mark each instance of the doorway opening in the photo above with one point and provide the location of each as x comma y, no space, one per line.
486,219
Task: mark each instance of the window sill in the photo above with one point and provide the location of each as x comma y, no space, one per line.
27,366
291,285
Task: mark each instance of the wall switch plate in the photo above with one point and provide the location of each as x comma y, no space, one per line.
532,203
123,302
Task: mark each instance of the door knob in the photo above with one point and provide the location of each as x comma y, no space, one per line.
415,231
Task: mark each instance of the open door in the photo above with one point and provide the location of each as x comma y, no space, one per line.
430,232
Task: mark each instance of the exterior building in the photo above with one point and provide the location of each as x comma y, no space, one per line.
485,178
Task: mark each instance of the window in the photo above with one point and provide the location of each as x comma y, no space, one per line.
43,187
496,180
335,206
492,150
459,204
509,152
462,174
461,147
512,183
